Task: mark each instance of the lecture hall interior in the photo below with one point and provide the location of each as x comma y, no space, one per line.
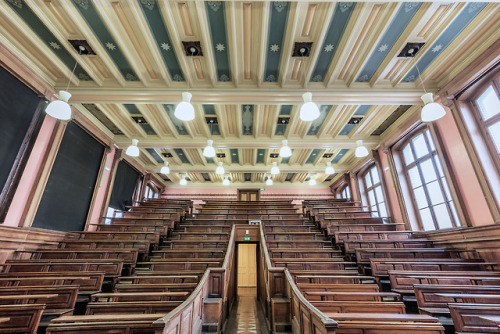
191,166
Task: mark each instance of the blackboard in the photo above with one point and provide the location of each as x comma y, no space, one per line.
18,105
124,186
66,200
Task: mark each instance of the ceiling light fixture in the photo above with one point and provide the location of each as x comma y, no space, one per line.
226,181
309,110
361,150
209,150
60,109
183,181
329,169
312,182
431,111
285,150
269,181
219,169
185,110
133,150
165,169
275,170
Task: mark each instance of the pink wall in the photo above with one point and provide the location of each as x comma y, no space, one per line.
101,193
467,182
29,178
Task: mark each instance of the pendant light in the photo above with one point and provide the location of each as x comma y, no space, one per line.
275,170
431,111
309,111
60,109
285,150
361,150
165,169
184,110
269,181
183,181
209,150
226,181
312,182
219,169
329,169
133,150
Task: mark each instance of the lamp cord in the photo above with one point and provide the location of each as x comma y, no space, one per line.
421,80
74,68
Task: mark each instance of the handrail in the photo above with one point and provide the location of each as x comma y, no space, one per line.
326,321
163,322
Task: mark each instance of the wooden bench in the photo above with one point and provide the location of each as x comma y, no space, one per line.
406,279
359,307
160,279
352,296
338,287
139,296
22,318
381,267
303,253
187,253
199,236
293,236
313,265
467,317
332,229
352,245
129,256
372,235
333,279
193,244
180,266
163,287
364,255
140,245
119,308
105,323
162,230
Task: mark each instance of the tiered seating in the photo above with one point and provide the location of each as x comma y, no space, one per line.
90,273
431,280
330,280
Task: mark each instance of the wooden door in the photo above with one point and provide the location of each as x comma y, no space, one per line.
248,194
247,265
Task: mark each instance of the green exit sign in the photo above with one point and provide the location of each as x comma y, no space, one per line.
246,238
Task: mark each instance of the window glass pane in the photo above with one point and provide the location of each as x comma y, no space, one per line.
408,154
368,180
371,197
446,189
420,146
429,139
427,221
375,177
383,210
375,212
488,104
347,192
437,161
414,177
428,170
442,216
454,213
379,194
435,193
420,198
494,131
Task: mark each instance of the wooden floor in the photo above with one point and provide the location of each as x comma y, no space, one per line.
247,318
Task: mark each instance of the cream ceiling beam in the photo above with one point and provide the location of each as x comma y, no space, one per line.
236,168
246,143
362,95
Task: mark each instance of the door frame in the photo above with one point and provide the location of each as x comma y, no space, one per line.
256,190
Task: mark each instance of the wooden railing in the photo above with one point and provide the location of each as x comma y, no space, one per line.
305,318
188,317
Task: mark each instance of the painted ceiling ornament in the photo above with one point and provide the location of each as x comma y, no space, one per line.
177,77
410,5
410,78
130,77
220,47
383,48
329,48
55,46
214,5
110,46
279,5
247,119
275,48
364,78
473,7
150,4
317,78
84,4
437,48
270,78
17,3
224,78
344,6
83,77
165,46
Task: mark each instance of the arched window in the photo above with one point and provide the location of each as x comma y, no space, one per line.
372,192
423,171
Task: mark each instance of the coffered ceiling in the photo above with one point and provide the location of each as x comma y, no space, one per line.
241,62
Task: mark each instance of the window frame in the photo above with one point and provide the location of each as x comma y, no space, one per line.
361,176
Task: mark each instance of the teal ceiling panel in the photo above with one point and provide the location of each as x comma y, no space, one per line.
261,155
247,119
155,155
468,13
180,153
179,125
362,109
278,18
94,110
286,109
216,12
314,154
93,19
148,129
37,26
132,109
391,35
156,23
209,109
390,120
209,160
336,29
340,155
235,157
316,124
346,129
289,177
